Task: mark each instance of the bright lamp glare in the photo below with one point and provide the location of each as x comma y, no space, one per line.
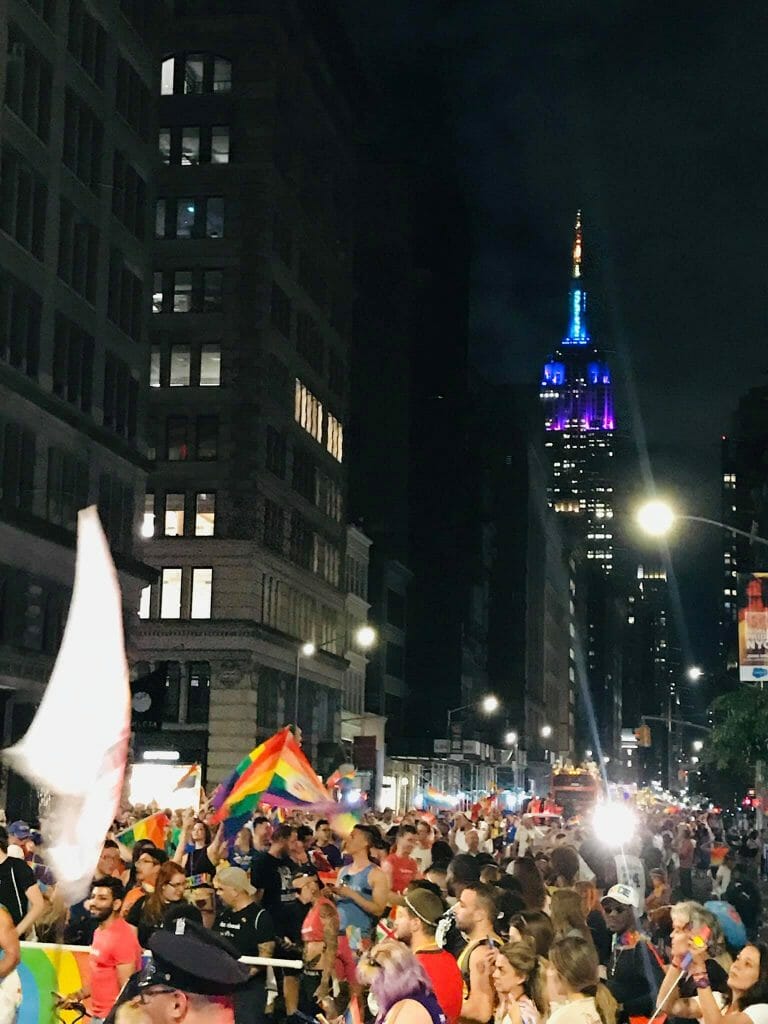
655,518
511,738
308,649
614,823
546,731
365,637
695,673
490,703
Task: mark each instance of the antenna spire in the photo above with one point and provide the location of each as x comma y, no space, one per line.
577,247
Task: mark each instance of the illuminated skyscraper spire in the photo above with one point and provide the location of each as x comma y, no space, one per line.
577,247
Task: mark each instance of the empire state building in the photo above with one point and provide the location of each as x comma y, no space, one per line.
577,397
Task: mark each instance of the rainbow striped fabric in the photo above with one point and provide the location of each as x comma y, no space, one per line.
275,773
45,969
152,828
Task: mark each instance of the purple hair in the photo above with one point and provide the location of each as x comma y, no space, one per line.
401,976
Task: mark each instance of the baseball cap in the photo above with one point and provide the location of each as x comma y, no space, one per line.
425,904
235,878
623,894
190,958
19,830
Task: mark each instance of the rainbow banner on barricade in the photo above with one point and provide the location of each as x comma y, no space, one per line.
47,968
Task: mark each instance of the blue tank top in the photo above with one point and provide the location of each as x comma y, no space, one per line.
429,1001
350,915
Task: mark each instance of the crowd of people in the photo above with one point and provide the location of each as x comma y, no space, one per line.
442,918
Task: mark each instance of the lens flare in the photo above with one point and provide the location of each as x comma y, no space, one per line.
614,823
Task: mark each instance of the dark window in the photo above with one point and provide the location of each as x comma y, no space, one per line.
126,296
337,374
28,84
129,195
394,660
67,489
198,692
83,137
172,691
302,541
73,363
207,437
276,452
17,467
86,41
274,526
139,14
282,242
20,310
303,478
45,8
395,608
281,310
213,291
177,438
132,98
120,388
309,343
278,379
78,252
116,511
23,199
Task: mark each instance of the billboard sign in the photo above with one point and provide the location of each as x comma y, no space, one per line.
753,626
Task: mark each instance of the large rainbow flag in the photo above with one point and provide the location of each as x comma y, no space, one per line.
275,773
47,968
152,828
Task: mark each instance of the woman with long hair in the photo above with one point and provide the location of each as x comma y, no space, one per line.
241,854
148,912
534,892
399,986
746,1000
519,984
536,925
573,985
567,916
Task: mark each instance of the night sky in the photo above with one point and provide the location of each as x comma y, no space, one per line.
651,117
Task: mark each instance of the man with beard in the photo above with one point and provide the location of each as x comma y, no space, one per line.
115,950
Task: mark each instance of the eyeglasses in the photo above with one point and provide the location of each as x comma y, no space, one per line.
145,994
177,885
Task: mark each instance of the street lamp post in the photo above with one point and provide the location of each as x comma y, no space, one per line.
488,704
656,518
364,637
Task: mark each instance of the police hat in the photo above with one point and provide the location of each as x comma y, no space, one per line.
190,958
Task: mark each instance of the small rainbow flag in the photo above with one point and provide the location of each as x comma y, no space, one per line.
152,828
189,779
275,773
352,1013
437,799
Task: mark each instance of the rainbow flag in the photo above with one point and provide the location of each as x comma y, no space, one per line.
152,828
47,968
189,779
352,1013
436,798
275,773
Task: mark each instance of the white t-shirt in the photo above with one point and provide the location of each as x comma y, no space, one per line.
758,1013
580,1011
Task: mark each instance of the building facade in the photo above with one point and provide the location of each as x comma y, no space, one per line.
245,516
78,148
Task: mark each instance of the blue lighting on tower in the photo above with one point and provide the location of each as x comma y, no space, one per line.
578,333
554,374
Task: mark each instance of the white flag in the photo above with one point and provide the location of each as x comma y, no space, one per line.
77,745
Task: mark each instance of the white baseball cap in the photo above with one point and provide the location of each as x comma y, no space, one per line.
623,894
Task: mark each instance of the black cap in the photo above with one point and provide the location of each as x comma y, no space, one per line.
188,957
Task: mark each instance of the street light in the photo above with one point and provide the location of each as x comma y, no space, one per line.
546,731
695,673
511,738
657,517
364,637
488,704
698,745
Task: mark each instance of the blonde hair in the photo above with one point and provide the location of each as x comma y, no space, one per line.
567,915
576,962
522,956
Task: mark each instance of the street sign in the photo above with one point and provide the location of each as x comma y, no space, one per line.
442,746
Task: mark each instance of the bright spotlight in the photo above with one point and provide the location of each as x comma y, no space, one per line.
695,673
698,745
365,637
308,649
546,732
511,738
614,823
489,704
655,518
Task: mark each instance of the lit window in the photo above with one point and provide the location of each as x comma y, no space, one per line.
308,411
210,366
222,74
157,292
185,218
160,218
173,521
144,602
148,519
180,366
154,367
202,580
193,74
190,145
170,594
205,514
164,144
335,438
166,77
220,145
182,291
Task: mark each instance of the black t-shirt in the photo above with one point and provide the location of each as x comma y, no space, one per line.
718,981
198,862
16,876
275,877
246,929
137,917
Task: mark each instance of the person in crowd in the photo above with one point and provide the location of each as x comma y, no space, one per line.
590,907
298,850
362,895
567,915
19,892
272,873
661,891
686,850
110,863
490,873
746,1001
634,971
198,852
10,984
145,870
249,928
399,986
533,889
722,878
573,987
400,865
744,895
416,924
437,874
325,844
564,867
191,979
526,835
520,986
509,905
422,851
202,896
262,833
535,925
148,911
475,915
678,996
441,852
115,950
320,938
242,850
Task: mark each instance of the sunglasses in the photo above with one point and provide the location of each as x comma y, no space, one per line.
614,908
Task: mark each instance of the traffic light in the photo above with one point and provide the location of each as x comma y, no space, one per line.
643,735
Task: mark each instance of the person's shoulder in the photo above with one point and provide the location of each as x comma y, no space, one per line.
757,1013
